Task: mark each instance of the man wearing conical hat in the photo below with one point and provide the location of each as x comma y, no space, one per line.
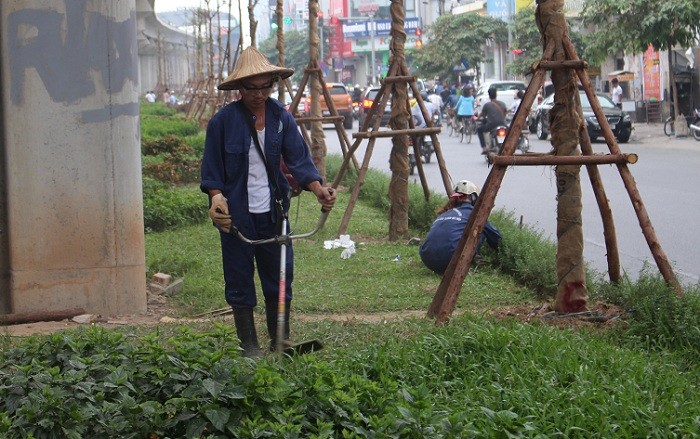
244,185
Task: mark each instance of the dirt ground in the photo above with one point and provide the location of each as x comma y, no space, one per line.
159,312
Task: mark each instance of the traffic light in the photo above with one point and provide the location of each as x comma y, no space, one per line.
273,20
335,20
419,40
319,15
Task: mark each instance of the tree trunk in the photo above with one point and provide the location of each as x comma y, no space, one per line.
400,114
565,120
318,143
279,11
680,125
253,23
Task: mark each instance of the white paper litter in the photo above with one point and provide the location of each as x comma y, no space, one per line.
343,242
348,252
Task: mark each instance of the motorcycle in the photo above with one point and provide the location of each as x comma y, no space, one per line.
436,119
496,138
411,157
426,149
524,140
356,110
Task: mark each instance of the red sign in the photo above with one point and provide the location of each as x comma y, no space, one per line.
652,75
336,41
339,46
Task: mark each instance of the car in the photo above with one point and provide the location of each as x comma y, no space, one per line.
505,91
368,98
342,101
619,122
286,100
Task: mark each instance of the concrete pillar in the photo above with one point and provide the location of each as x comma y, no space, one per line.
71,215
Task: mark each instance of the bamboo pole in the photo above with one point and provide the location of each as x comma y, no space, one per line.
552,160
40,316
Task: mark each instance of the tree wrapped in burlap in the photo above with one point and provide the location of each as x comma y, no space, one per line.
565,120
400,114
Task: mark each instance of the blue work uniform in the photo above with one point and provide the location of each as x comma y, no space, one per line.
445,233
225,167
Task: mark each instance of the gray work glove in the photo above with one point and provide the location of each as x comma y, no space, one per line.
218,212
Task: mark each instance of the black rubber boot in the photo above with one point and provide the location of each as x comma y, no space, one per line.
271,314
245,328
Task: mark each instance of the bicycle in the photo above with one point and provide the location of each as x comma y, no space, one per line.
669,128
467,128
470,128
451,122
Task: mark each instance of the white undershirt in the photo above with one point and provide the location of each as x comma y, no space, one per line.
258,183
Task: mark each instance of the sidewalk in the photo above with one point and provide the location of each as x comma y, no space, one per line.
653,134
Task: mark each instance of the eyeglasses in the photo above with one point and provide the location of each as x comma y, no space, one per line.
257,90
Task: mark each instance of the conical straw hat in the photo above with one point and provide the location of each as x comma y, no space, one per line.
251,63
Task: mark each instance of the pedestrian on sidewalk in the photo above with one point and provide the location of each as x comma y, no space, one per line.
616,92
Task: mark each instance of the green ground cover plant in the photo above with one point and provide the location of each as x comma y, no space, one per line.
476,377
386,370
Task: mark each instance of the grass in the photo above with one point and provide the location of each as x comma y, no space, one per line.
323,282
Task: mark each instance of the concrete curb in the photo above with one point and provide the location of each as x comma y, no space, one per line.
653,134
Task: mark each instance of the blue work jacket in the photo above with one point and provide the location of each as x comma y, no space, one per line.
227,151
443,237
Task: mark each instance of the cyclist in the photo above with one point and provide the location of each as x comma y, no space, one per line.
465,106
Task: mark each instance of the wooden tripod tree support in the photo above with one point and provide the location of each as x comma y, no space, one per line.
313,70
394,85
445,299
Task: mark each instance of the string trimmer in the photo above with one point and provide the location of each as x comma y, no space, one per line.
284,346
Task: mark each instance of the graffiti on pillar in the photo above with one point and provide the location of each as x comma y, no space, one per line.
73,53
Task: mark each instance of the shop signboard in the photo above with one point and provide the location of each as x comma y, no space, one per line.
353,30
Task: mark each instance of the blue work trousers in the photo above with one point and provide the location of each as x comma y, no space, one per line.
240,259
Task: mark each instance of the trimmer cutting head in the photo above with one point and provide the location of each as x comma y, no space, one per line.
304,347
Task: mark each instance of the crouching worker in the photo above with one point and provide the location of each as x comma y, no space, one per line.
241,173
445,233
